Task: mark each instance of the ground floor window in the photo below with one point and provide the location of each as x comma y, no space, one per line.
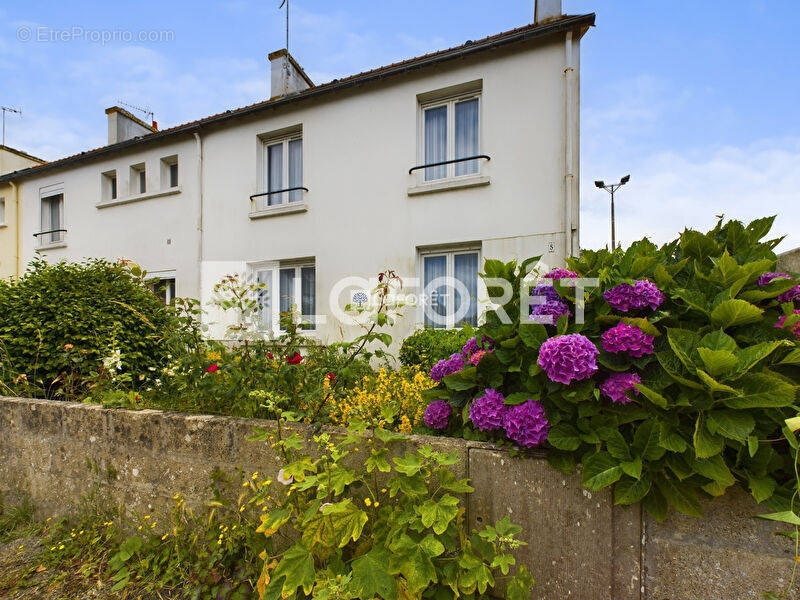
164,288
287,287
450,287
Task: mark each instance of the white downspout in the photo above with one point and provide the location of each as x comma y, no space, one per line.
569,135
18,219
199,143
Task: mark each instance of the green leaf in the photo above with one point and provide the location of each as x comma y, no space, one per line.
503,562
533,335
683,342
732,313
297,569
629,491
652,395
520,586
645,441
706,444
517,398
448,481
632,468
733,424
762,488
762,390
377,461
564,437
681,497
409,465
670,439
750,356
438,514
793,358
717,361
714,468
786,516
413,560
273,520
655,504
370,576
600,470
335,525
752,445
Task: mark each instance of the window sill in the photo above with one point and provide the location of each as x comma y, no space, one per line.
51,246
280,209
139,197
445,185
3,225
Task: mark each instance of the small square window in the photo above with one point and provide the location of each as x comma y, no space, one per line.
169,172
109,182
138,183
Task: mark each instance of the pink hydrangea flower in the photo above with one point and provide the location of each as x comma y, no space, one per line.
765,278
567,358
642,294
557,274
437,415
477,356
627,338
527,424
488,412
795,329
448,366
617,384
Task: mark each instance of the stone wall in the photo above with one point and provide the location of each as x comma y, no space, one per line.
790,261
579,544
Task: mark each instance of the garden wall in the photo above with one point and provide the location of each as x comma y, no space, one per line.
579,544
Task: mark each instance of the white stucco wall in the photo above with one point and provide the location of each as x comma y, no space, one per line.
358,146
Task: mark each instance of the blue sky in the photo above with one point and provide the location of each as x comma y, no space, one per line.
697,100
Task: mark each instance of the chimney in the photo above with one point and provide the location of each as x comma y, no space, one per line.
286,76
122,125
546,10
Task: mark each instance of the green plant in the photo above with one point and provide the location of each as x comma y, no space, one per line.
60,322
358,524
16,520
425,347
714,389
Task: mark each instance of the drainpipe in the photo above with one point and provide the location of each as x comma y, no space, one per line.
18,218
199,144
569,136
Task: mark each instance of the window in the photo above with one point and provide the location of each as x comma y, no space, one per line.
138,179
451,130
109,191
52,220
169,172
295,284
450,288
2,211
164,289
283,169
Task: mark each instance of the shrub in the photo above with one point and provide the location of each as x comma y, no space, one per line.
675,387
59,322
425,347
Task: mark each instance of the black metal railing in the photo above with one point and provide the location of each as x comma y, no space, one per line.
50,231
291,189
448,162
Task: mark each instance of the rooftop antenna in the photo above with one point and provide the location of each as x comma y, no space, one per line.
286,63
6,109
149,114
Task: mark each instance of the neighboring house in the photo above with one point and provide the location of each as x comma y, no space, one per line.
322,183
11,160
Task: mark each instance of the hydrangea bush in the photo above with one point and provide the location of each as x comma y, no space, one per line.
674,388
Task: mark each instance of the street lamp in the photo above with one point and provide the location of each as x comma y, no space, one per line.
611,188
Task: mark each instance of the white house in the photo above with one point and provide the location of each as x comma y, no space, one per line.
495,120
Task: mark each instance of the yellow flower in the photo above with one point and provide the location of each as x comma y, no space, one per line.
255,476
165,536
377,504
367,501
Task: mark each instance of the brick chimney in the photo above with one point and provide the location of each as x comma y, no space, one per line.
122,125
286,76
546,10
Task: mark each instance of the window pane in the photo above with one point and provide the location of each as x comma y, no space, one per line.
466,271
287,290
435,142
173,175
51,219
296,169
467,135
274,173
436,303
142,182
308,282
2,210
113,181
264,278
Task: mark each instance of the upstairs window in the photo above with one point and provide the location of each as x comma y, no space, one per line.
283,170
138,179
287,288
450,280
2,211
109,181
169,172
52,220
451,130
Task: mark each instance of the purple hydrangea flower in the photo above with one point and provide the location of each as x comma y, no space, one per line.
437,414
526,424
448,366
472,345
765,278
557,274
488,411
549,312
627,338
795,329
567,358
617,384
640,295
790,295
547,290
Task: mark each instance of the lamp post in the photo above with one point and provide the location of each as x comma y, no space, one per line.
611,188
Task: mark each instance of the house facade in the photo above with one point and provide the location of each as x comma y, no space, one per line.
11,160
426,167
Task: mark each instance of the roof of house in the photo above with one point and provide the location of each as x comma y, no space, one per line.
132,117
21,154
520,34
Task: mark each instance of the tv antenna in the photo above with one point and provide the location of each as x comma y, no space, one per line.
149,114
6,109
286,2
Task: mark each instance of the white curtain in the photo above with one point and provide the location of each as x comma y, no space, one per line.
435,142
51,218
287,289
274,173
308,284
296,169
435,267
466,271
466,136
264,305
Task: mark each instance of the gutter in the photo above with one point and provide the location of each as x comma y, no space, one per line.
525,34
18,219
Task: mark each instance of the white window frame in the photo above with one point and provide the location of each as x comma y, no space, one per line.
159,277
450,102
274,268
284,140
166,172
46,194
450,253
109,181
135,185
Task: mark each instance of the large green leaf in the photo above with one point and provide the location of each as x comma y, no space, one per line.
297,569
683,343
645,441
438,514
532,335
714,468
629,491
564,437
733,424
763,390
335,525
732,313
655,504
681,497
750,356
652,395
414,561
717,361
706,444
520,586
600,470
670,439
370,576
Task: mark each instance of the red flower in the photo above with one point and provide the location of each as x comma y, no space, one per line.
212,368
294,359
330,377
270,356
